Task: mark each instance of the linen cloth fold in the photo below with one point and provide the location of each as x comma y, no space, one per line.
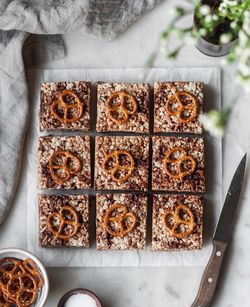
103,19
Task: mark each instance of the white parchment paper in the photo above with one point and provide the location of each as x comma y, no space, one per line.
70,257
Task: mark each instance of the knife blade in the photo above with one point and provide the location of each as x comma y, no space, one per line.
220,239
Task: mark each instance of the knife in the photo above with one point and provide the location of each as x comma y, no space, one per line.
221,239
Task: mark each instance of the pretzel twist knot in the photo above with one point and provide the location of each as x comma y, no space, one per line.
61,104
3,300
20,282
117,215
31,267
63,171
178,221
171,161
119,168
116,109
74,223
23,289
185,111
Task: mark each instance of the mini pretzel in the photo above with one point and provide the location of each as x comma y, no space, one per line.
168,161
120,108
178,220
20,282
118,167
58,233
3,301
11,266
19,286
60,103
66,157
4,279
31,267
192,107
120,219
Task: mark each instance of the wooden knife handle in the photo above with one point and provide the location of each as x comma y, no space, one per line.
210,276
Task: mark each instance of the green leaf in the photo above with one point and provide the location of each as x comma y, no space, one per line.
173,54
151,59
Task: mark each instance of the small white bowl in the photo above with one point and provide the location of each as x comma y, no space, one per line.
23,254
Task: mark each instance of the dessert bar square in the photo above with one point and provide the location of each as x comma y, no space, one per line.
178,164
121,163
65,106
177,222
64,220
177,106
123,107
64,162
121,221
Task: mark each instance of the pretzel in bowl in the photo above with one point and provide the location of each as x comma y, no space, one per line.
19,282
65,108
174,230
73,222
118,215
63,171
186,110
31,267
174,164
3,301
118,166
119,112
11,266
23,289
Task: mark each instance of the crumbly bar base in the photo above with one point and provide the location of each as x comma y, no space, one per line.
163,122
79,146
50,91
138,122
48,204
135,239
162,181
161,239
138,146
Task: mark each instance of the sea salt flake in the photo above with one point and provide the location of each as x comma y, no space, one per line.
80,300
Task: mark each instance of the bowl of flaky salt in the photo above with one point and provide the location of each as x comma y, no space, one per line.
79,298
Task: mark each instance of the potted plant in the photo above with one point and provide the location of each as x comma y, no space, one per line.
218,27
216,36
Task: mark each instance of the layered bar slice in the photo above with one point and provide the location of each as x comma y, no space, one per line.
65,106
121,221
121,163
123,107
177,222
64,162
177,106
178,164
63,220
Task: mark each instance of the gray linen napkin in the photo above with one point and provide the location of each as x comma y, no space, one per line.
104,19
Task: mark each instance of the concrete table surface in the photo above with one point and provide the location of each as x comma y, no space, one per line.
161,287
